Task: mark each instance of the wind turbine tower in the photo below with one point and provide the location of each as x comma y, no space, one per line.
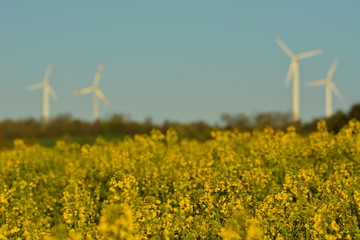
47,90
293,73
329,87
97,93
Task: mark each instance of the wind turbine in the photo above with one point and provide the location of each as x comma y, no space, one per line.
294,73
329,87
97,93
47,90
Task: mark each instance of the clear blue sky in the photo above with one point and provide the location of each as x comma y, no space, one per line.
176,60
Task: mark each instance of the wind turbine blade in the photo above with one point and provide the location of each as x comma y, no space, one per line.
101,96
309,54
52,92
98,74
317,83
289,74
285,48
48,72
336,91
35,86
83,91
332,69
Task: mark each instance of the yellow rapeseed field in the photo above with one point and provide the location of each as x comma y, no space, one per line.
260,185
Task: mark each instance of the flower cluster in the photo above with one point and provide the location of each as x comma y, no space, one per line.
254,185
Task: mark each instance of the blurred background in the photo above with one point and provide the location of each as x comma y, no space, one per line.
199,64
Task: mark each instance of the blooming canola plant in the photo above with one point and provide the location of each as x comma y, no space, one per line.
238,185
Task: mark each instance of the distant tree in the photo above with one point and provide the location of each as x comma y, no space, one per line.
64,126
115,125
59,126
227,119
355,112
276,120
337,121
148,125
96,128
240,121
199,130
28,128
80,128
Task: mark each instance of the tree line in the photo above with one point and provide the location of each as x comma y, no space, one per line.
118,125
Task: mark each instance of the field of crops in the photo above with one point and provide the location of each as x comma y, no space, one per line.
260,185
